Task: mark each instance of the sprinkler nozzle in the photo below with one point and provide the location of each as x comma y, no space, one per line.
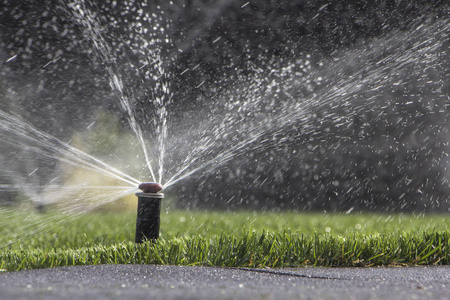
148,211
150,187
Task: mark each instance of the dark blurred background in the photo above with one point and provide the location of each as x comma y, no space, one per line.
389,154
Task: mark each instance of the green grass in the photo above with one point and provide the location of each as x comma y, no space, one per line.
240,239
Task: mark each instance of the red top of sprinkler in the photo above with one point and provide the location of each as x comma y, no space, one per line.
150,187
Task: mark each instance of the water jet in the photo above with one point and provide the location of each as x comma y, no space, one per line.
148,211
364,126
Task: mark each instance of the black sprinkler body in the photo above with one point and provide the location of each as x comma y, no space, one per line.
148,211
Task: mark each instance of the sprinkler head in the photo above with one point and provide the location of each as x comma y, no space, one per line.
150,187
148,211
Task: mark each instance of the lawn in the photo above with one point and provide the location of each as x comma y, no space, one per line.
31,240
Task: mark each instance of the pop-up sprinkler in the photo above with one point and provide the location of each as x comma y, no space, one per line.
148,210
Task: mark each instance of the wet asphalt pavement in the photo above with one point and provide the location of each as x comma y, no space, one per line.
174,282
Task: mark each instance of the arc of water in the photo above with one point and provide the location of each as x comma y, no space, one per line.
52,147
379,72
116,83
103,52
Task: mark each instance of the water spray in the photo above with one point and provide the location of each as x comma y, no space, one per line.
148,211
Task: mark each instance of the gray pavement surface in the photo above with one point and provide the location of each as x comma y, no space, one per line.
176,282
